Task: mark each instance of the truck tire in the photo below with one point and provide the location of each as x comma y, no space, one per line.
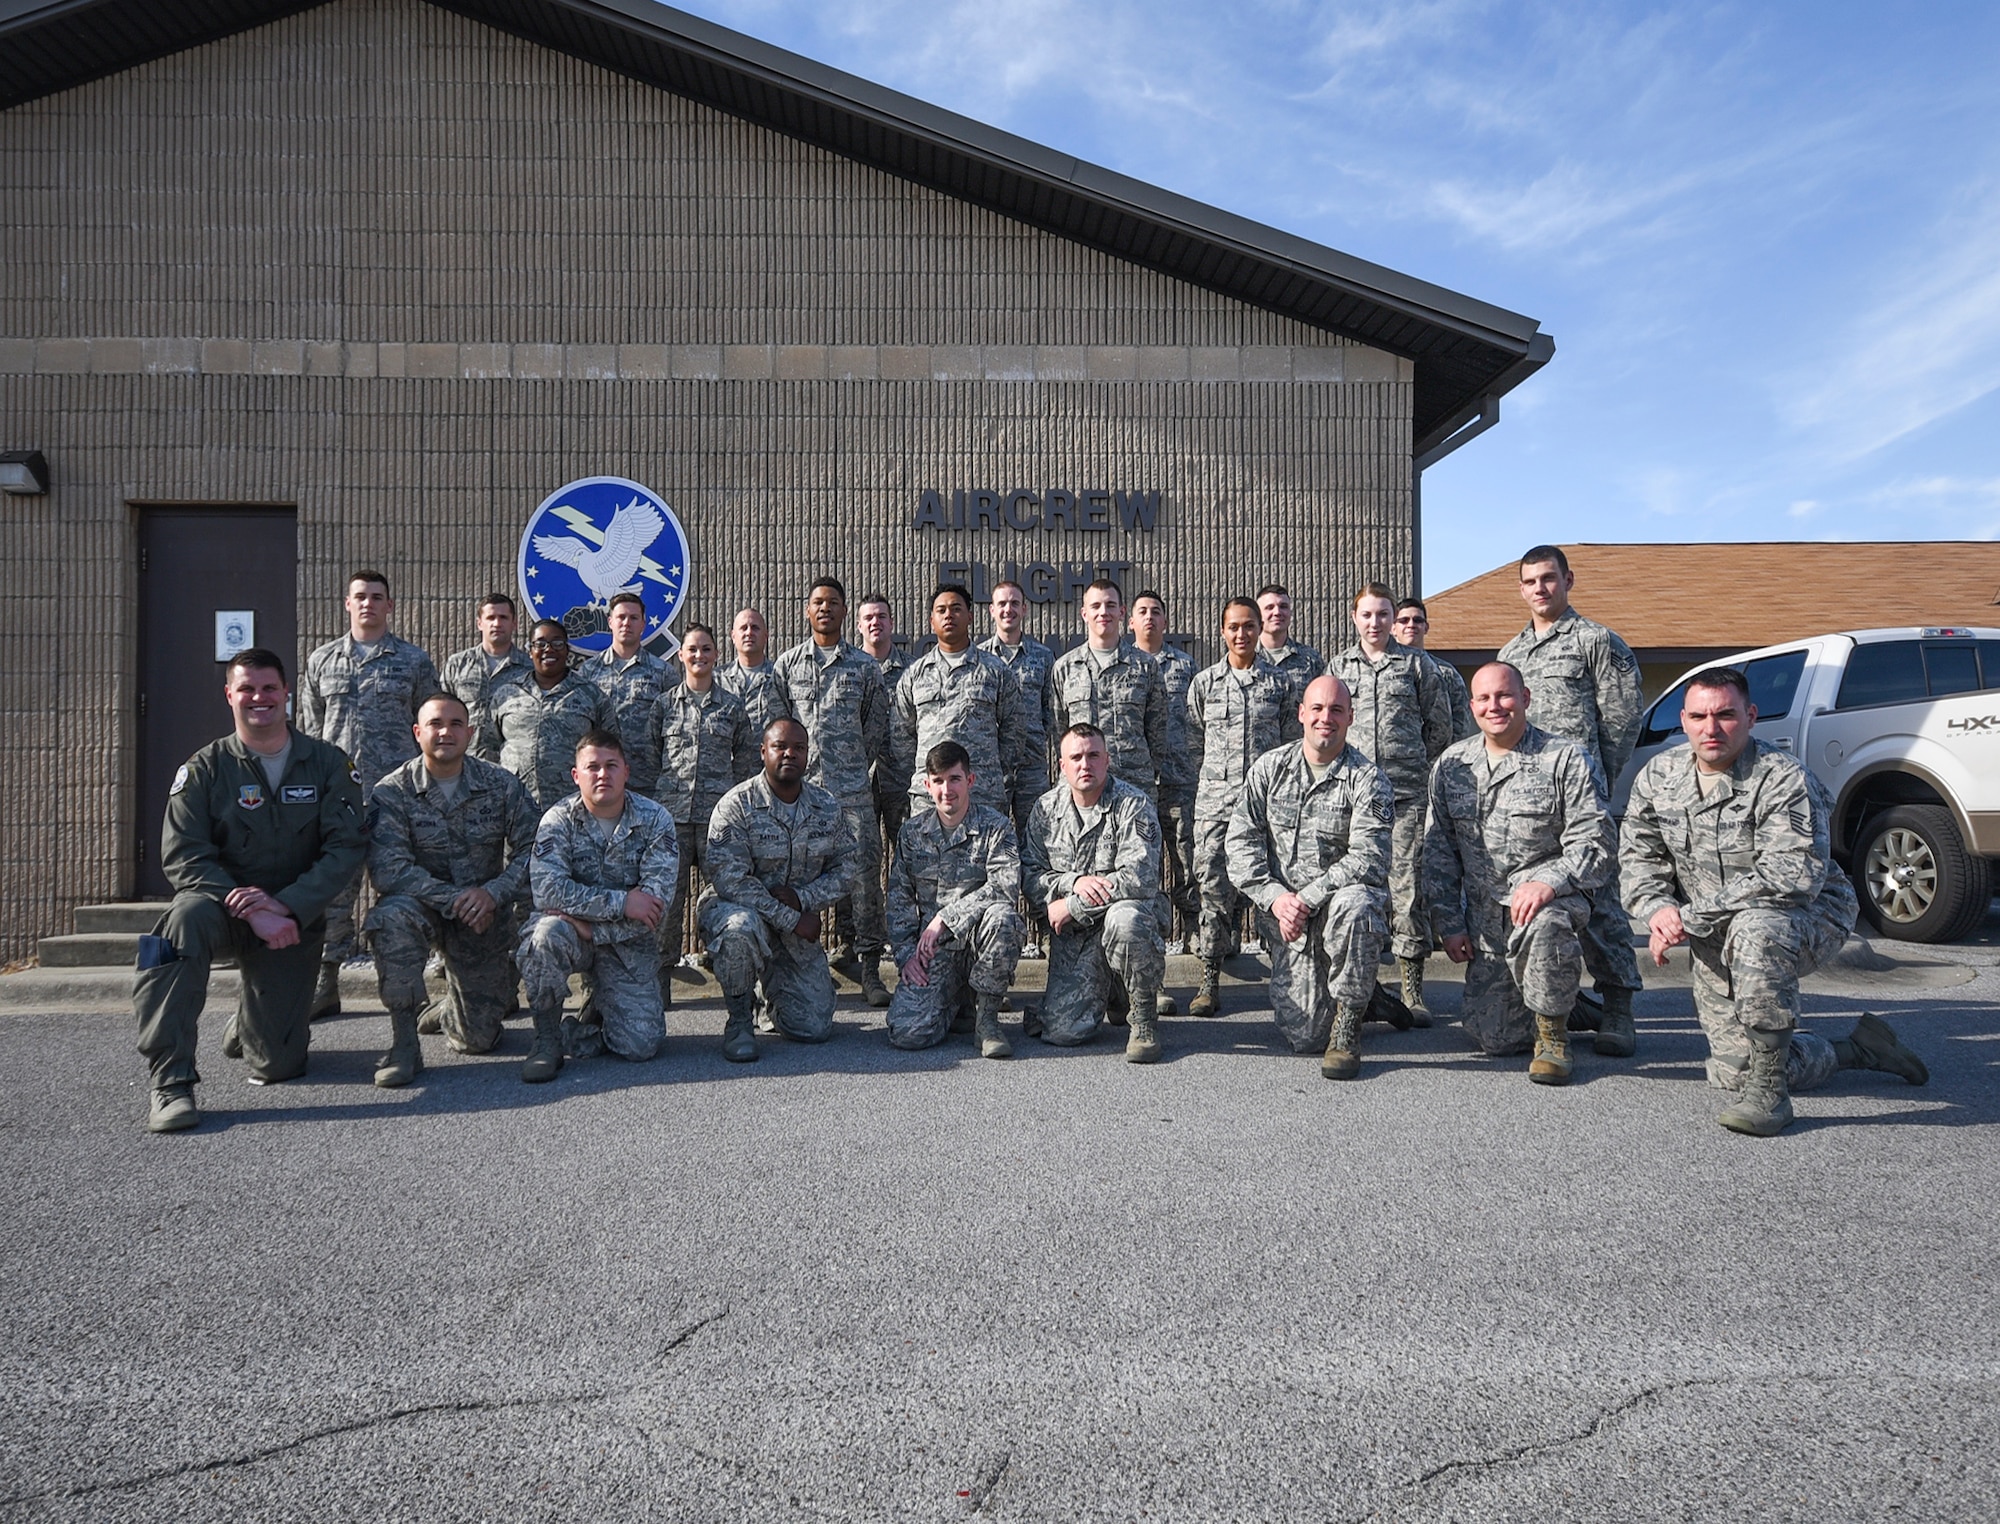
1915,880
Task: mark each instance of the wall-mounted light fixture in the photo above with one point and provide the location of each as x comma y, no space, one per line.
24,473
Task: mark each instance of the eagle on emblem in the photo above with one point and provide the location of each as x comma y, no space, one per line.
607,569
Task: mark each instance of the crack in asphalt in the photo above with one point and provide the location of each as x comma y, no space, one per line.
359,1425
982,1490
1542,1447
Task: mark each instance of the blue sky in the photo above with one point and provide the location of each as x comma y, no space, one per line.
1766,239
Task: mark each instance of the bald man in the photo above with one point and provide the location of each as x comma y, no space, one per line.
1519,837
1309,843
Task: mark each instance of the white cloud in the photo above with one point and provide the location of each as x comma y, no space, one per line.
1926,349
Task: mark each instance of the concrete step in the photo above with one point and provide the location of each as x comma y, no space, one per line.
133,916
93,949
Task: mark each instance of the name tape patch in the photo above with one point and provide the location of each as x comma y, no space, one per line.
299,793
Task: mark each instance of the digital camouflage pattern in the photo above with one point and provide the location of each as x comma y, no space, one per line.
975,701
539,727
969,876
1298,664
580,873
1537,813
1750,869
365,704
892,796
1584,685
1231,723
1462,722
1177,671
466,678
758,688
845,710
1126,698
1118,839
757,843
1327,841
706,745
1029,664
1402,723
421,856
634,685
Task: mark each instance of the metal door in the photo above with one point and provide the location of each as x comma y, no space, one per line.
196,564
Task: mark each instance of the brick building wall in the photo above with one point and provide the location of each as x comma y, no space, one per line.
409,275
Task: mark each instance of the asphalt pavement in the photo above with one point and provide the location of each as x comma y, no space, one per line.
852,1283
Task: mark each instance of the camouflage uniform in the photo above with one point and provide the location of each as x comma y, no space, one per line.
466,676
1402,723
1327,841
1178,773
706,747
1126,698
634,685
970,876
1298,666
1029,662
1748,868
1462,722
1230,725
1118,840
365,705
757,843
1583,684
422,855
579,872
758,688
845,710
892,793
225,827
1537,814
976,702
539,727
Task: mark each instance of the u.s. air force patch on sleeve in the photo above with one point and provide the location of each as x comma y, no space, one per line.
180,781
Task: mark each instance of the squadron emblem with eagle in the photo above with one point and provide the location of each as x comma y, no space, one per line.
596,538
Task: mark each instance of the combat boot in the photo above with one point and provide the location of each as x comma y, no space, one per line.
1763,1107
546,1060
871,984
1118,1005
1208,1001
1142,1039
1873,1044
1550,1065
405,1059
1343,1048
326,993
1615,1035
430,1022
992,1041
739,1042
232,1040
1165,1005
173,1110
1413,991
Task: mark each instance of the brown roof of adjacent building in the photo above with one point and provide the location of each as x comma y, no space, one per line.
1738,596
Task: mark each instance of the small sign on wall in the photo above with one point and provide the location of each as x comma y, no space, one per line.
235,630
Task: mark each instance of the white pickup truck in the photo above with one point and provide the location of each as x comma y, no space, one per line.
1903,728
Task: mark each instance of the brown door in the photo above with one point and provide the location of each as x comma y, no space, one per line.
196,564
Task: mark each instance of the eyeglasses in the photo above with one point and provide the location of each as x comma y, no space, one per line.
548,645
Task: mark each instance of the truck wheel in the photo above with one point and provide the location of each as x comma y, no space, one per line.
1916,881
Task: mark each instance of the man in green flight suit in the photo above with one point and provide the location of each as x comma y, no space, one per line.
263,830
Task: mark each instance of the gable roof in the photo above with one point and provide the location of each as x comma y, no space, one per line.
1466,352
1737,597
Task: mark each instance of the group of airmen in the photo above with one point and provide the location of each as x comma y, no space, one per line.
535,814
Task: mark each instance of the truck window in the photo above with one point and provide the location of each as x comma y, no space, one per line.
1989,663
1952,669
1886,672
1664,718
1774,683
